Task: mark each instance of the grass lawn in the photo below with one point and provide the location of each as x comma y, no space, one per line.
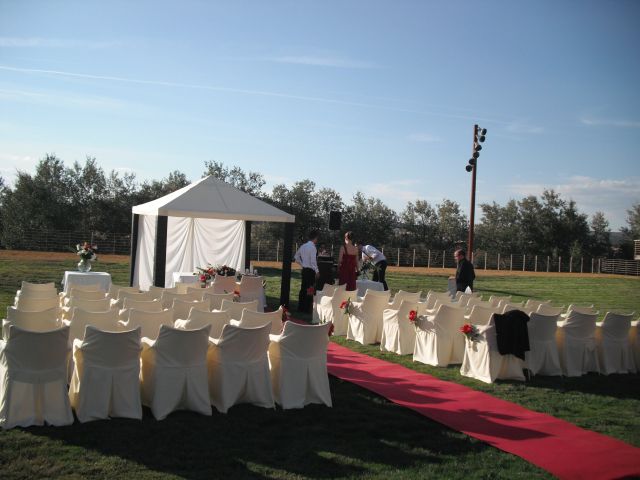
362,436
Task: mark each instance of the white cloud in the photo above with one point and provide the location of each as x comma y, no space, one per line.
61,99
611,196
394,191
524,128
31,42
424,138
604,122
322,61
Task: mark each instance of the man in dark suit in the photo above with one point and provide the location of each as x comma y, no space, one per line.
465,273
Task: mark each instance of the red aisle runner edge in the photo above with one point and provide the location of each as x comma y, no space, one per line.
561,448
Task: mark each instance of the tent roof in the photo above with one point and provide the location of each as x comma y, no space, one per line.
212,198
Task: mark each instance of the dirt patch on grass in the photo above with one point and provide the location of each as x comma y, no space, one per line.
61,256
58,256
479,273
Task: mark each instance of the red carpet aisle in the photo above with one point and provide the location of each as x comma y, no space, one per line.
557,446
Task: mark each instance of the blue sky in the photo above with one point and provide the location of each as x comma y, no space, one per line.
375,96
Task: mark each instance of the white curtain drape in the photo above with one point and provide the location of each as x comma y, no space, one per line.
143,273
194,242
191,243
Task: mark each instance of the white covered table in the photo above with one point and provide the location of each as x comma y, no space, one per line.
72,278
363,285
184,277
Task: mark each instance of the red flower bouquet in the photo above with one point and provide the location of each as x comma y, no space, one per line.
470,331
346,306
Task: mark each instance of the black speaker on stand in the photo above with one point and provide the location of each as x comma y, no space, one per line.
335,220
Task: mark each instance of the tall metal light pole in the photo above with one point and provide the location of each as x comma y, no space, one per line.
478,138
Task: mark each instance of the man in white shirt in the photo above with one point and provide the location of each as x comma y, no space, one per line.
306,258
377,258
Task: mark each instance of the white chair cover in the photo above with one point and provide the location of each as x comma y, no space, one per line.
439,341
251,288
43,321
149,322
398,333
239,368
298,359
235,308
365,319
577,344
114,289
634,340
495,300
181,308
28,317
28,287
215,299
156,292
174,372
197,319
614,349
168,297
106,376
327,291
329,310
33,378
37,304
143,305
543,357
85,294
480,315
547,309
80,319
483,362
223,284
122,294
399,297
251,319
102,305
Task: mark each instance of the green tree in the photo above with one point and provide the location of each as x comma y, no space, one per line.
452,225
420,221
251,182
600,243
370,220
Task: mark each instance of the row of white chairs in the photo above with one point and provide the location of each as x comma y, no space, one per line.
570,343
116,372
35,297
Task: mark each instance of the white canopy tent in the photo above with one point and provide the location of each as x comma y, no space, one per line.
207,221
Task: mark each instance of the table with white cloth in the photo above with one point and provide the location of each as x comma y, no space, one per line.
184,277
73,278
363,285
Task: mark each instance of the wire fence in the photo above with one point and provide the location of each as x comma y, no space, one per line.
272,250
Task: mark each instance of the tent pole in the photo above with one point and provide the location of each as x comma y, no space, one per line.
134,247
287,254
247,244
160,254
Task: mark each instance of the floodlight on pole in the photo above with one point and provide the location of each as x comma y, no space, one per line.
479,136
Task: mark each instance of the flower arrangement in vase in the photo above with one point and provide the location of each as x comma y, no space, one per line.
87,254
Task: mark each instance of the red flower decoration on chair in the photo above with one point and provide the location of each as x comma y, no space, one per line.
413,316
311,291
331,329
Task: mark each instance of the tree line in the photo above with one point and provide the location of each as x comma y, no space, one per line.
83,197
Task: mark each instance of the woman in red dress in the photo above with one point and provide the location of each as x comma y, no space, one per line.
348,262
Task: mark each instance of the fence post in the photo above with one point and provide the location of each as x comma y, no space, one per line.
398,262
559,264
258,250
535,264
599,265
571,264
444,252
511,262
485,260
278,251
524,260
498,261
429,260
581,263
413,264
332,249
592,262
